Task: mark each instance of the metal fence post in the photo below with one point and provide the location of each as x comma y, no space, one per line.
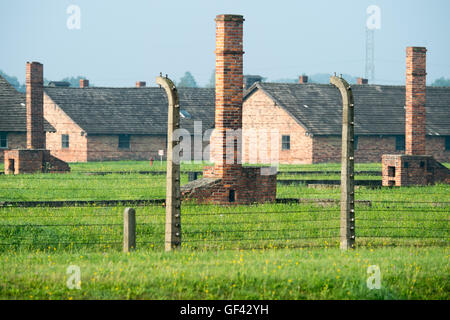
347,220
173,194
129,230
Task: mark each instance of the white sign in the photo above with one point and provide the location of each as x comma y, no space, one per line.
161,152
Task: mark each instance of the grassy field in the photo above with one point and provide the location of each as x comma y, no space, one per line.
270,251
406,273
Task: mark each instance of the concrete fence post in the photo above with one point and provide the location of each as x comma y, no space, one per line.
173,193
347,220
129,230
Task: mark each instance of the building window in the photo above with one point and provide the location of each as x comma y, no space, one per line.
124,141
447,143
285,142
65,141
399,143
3,140
355,143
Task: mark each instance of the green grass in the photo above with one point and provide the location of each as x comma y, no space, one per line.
191,166
270,251
219,227
406,273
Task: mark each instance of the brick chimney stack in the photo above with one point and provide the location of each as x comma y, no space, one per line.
362,81
229,91
140,84
84,83
34,101
303,79
415,100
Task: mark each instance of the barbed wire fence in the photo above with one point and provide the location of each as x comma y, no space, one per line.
219,227
84,210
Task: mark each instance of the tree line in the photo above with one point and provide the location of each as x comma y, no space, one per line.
188,80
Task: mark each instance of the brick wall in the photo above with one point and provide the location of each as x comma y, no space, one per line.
33,161
260,112
261,116
24,161
406,170
370,148
435,146
142,147
16,140
77,151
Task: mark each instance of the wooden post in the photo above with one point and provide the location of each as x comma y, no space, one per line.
347,228
129,230
173,194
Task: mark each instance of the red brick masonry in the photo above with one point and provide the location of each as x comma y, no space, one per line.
414,167
35,158
228,182
406,170
33,161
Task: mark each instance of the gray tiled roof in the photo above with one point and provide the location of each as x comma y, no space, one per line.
379,109
13,112
131,110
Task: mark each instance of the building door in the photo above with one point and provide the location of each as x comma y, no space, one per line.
11,166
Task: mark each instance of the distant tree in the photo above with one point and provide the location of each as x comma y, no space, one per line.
187,81
74,81
212,80
13,81
441,82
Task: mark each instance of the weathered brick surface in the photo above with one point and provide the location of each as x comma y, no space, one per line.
414,167
25,161
142,147
32,161
34,105
261,115
261,118
77,151
408,170
233,184
16,140
35,158
370,148
415,100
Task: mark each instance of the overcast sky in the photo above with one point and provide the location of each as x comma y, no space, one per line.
120,42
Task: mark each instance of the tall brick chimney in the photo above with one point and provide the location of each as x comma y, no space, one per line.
84,83
229,92
415,100
414,167
140,84
228,181
303,79
34,101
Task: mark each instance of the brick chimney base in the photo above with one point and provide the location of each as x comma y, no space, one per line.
33,161
246,187
412,170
